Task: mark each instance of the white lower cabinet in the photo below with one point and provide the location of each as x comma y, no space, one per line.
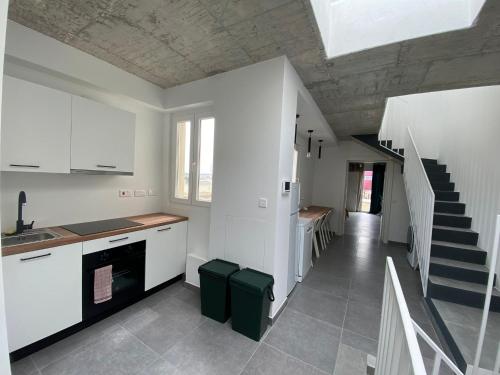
43,293
165,253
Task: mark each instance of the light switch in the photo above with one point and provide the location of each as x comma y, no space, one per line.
263,202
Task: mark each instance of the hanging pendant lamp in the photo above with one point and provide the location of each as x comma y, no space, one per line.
319,149
296,125
308,155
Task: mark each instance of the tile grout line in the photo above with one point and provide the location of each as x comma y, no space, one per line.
292,356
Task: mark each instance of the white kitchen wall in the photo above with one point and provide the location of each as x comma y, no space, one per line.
4,347
247,108
460,129
61,199
329,187
255,110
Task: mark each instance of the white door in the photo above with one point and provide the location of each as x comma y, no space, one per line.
43,293
36,128
165,253
102,137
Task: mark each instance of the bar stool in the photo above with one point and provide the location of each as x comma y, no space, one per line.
326,225
316,224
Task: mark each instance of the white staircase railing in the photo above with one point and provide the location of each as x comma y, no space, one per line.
398,350
420,196
487,303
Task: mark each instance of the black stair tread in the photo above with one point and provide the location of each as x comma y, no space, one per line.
438,201
429,161
459,264
448,214
463,285
457,245
456,229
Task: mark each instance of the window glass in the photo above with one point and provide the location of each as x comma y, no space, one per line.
205,159
183,152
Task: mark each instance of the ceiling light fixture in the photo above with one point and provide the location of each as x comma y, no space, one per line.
308,155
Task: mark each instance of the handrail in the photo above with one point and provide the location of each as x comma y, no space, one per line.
439,356
487,302
398,351
421,198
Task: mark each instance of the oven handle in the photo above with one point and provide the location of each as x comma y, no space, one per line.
118,239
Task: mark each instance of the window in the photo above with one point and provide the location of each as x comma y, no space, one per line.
205,162
182,161
193,158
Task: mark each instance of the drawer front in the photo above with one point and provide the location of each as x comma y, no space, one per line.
113,241
43,293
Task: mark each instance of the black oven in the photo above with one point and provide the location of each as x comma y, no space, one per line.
128,263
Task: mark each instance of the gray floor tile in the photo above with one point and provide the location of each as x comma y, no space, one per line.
270,361
212,348
319,305
363,318
160,367
74,342
362,343
162,326
327,283
350,361
309,339
25,366
116,353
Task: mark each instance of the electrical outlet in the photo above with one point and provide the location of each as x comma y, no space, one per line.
125,193
263,202
140,193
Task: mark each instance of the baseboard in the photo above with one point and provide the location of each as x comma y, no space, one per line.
273,319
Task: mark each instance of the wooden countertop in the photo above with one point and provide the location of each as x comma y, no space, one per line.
314,212
67,237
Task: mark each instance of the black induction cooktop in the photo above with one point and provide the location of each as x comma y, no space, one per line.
92,227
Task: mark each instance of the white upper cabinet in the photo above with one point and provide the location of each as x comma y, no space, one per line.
102,138
36,128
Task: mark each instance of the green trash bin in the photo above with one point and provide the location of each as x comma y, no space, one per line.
251,297
214,288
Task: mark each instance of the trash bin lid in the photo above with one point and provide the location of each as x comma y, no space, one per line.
252,280
219,268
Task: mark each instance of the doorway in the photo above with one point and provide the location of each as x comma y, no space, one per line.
364,198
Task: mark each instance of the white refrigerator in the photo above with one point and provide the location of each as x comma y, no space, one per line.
292,250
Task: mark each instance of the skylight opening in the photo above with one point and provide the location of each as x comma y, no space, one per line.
348,26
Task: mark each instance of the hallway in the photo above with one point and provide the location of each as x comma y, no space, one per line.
363,224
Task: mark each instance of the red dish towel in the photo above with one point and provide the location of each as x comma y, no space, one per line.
103,278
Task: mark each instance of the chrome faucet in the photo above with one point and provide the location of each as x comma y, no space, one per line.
20,226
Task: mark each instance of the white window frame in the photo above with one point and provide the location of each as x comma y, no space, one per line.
195,144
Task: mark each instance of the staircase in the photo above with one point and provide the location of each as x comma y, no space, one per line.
458,274
457,271
384,147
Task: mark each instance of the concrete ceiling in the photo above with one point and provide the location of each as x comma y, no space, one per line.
170,42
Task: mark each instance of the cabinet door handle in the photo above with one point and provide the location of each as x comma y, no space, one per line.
164,229
105,166
36,257
24,165
118,239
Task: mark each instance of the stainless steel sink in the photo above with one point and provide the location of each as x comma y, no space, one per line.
36,235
